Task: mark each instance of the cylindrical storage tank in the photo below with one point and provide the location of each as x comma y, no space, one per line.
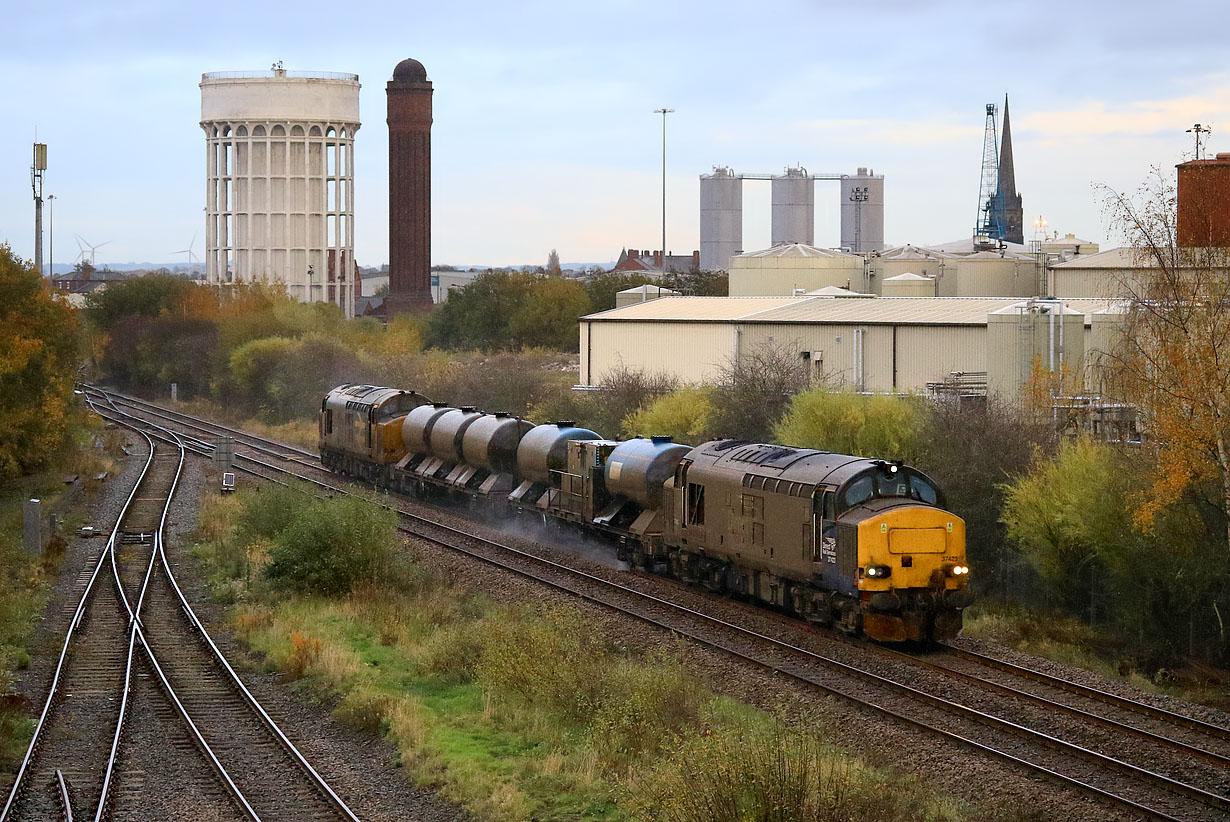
545,449
908,285
721,218
446,434
792,269
637,468
416,427
1044,331
794,207
862,211
491,441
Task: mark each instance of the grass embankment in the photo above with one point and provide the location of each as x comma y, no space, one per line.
25,580
1069,641
515,711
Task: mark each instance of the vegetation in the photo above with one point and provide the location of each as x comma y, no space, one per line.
520,711
38,356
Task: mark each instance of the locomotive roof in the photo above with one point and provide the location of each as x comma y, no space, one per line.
373,395
805,465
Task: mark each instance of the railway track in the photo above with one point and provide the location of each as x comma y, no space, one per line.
146,633
1097,763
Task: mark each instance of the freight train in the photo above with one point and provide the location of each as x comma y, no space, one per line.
864,545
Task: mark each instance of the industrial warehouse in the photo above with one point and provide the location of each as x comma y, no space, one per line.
876,344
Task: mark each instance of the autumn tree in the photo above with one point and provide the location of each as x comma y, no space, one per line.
602,286
1172,361
38,339
754,389
547,316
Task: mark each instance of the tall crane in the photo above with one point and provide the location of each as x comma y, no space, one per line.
990,222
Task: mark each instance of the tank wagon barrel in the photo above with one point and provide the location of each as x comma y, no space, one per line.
637,468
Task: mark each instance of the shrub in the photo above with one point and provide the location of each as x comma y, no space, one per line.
874,425
774,774
684,415
331,546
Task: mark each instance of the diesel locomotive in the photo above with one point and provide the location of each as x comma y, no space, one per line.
864,545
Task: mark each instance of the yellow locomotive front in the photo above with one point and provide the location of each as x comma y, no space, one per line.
912,576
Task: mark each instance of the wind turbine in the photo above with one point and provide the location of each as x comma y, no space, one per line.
93,248
191,255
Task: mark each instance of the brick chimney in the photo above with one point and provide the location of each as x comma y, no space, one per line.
695,260
1204,202
657,259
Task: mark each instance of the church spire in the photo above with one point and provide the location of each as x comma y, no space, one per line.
1007,175
1014,213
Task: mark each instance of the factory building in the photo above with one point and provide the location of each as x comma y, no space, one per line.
881,344
409,96
793,215
279,203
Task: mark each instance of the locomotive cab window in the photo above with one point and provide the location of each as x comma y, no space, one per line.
923,490
329,421
696,504
861,490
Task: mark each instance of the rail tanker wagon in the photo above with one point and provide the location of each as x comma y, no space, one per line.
616,488
360,428
863,544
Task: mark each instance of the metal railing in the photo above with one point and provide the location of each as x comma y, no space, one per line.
301,75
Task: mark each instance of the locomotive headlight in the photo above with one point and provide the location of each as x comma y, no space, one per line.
956,570
878,571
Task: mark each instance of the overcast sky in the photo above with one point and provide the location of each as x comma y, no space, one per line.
544,131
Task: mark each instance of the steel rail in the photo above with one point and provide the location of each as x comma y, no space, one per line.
1127,703
62,791
53,693
318,781
134,620
1173,785
200,423
1107,722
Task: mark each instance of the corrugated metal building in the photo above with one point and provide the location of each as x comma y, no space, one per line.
883,344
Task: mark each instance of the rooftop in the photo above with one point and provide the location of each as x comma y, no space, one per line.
867,311
794,250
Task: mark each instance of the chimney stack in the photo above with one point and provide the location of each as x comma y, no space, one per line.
1204,203
409,118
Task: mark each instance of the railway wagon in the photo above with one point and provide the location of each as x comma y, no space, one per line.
859,543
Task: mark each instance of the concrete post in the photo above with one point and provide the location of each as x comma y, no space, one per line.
174,392
32,517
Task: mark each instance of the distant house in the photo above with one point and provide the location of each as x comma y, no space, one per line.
632,261
86,279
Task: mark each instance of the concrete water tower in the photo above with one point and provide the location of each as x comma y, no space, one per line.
279,202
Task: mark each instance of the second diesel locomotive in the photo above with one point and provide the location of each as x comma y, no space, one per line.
862,544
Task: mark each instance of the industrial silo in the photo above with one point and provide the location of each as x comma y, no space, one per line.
794,207
862,211
721,218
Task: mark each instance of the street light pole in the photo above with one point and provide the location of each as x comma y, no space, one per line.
663,112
